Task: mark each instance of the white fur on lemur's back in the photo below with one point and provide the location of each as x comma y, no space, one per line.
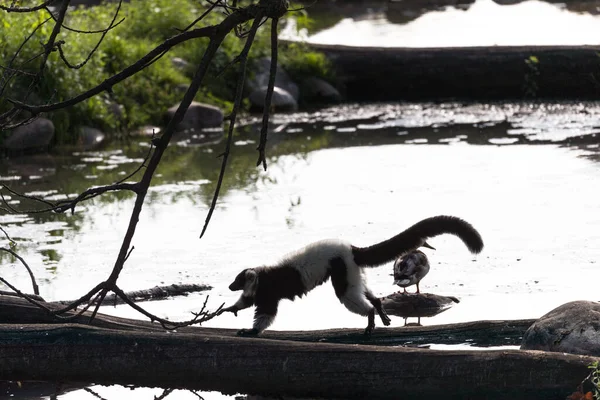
313,260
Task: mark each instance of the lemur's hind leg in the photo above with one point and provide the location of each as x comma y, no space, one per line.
385,319
264,315
371,325
349,288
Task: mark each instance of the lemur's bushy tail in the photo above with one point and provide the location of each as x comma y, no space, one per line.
413,237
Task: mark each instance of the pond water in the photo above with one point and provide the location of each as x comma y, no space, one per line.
478,23
525,175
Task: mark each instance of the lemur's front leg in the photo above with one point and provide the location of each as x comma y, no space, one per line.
264,315
242,303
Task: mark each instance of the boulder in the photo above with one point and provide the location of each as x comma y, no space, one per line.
317,91
281,100
197,117
36,135
571,328
260,78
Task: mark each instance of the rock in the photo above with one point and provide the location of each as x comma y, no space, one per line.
198,116
37,135
571,328
90,138
281,100
318,91
282,79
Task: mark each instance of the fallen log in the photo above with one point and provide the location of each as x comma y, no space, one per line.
15,310
470,73
155,293
76,353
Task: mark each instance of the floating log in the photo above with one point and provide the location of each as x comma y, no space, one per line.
408,305
155,293
76,353
469,73
15,310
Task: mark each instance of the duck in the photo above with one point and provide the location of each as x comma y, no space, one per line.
410,268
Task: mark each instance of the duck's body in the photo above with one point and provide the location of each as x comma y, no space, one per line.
410,269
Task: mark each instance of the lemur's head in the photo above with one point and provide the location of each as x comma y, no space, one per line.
245,280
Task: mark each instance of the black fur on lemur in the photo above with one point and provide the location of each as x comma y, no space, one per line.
303,270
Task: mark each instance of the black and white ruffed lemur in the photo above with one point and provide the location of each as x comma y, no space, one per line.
301,271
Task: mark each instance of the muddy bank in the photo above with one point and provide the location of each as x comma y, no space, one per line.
477,73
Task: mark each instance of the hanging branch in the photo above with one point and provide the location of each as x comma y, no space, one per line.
36,289
267,108
243,59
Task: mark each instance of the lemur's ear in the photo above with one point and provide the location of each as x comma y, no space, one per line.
250,276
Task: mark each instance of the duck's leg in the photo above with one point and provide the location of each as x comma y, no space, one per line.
418,291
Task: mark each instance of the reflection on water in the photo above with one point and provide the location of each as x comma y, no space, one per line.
524,174
482,23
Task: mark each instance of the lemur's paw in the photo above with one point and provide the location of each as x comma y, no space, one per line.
247,332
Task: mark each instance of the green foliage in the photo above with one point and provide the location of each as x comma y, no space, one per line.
300,62
145,96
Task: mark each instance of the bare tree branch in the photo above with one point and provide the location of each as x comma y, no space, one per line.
243,58
266,110
36,289
121,76
104,32
27,9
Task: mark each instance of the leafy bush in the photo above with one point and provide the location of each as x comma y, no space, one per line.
144,96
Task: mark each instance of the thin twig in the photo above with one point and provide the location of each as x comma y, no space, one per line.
199,317
27,9
269,96
89,57
243,57
36,288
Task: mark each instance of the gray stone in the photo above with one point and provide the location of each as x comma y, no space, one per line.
571,328
90,138
198,116
318,91
37,135
281,100
260,78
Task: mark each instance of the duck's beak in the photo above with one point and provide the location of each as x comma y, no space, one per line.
428,246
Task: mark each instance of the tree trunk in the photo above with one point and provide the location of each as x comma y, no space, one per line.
76,353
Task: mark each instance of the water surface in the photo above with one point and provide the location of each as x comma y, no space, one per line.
482,23
526,175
